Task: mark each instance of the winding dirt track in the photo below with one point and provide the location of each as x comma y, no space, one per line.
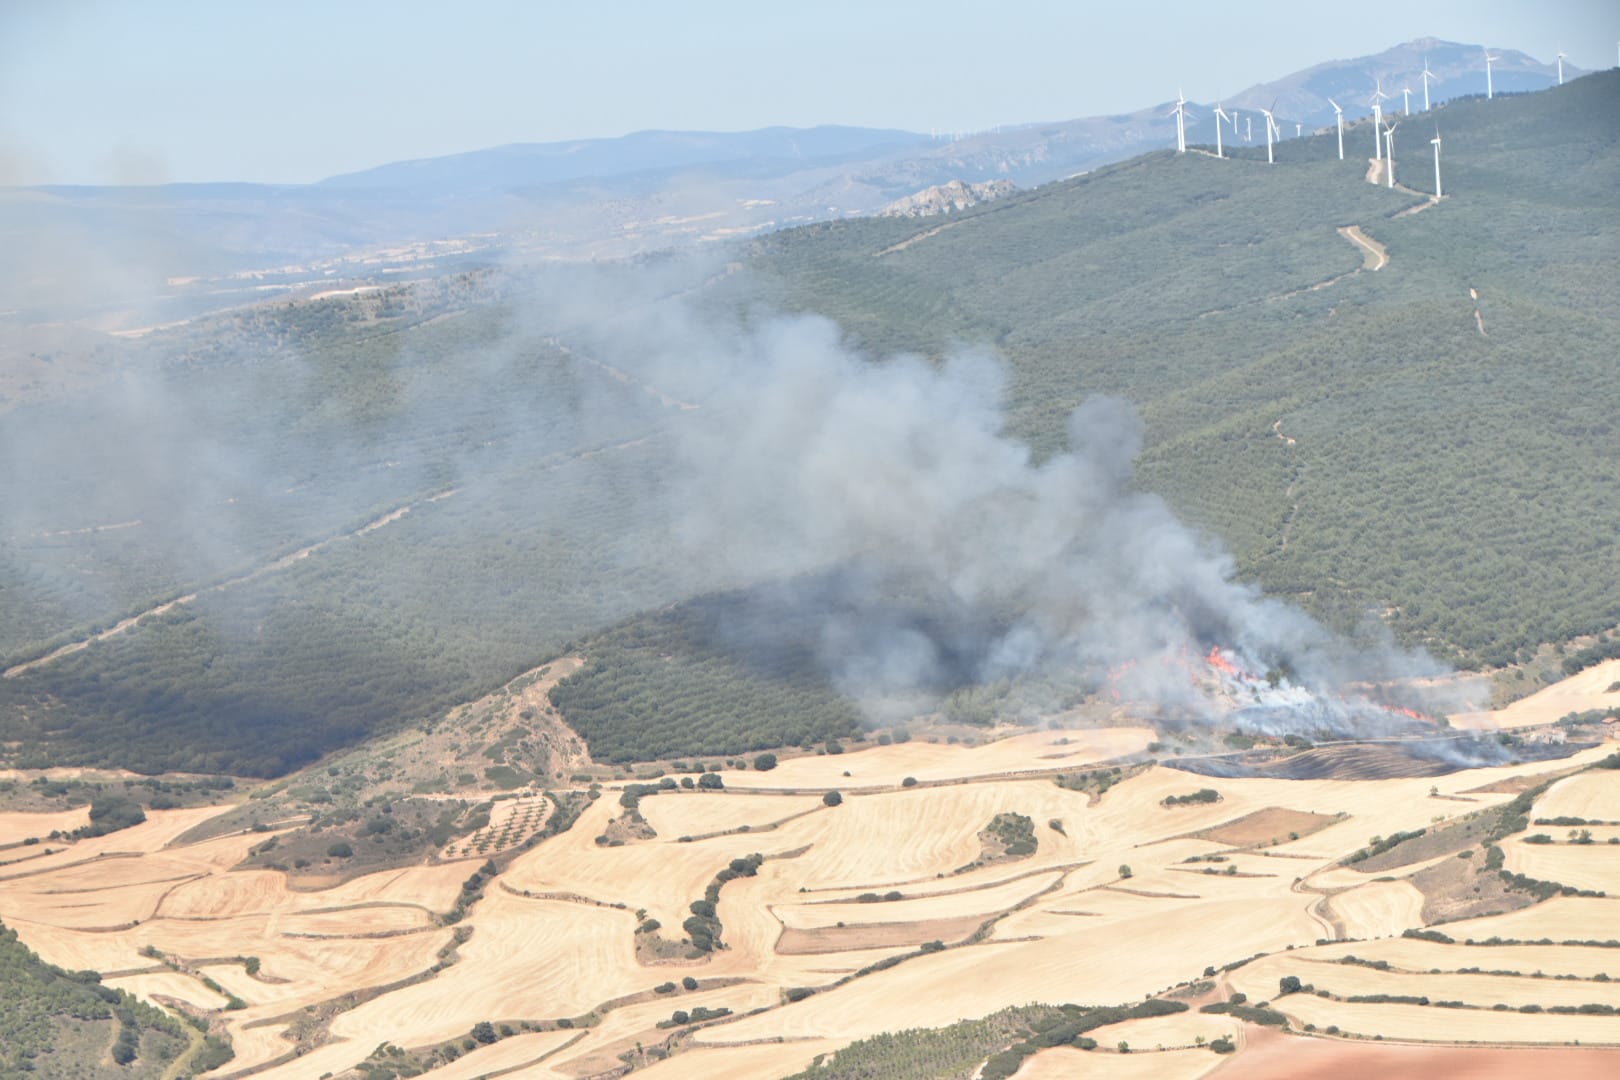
1374,257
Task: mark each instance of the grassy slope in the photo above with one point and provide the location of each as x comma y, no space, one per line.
1462,482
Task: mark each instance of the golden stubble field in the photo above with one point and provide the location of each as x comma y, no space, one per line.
1124,897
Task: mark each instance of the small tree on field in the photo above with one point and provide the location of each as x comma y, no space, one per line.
832,798
1124,871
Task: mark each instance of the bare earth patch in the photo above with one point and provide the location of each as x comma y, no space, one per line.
1272,825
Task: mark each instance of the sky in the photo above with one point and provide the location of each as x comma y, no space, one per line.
291,91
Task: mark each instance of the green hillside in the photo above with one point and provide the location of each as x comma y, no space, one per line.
1459,482
55,1023
1361,441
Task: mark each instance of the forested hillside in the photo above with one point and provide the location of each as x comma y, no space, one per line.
1364,441
55,1023
410,503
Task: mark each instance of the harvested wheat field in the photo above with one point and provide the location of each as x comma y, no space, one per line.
1273,1056
1066,1063
1175,1032
1594,796
897,908
1378,909
1580,692
888,766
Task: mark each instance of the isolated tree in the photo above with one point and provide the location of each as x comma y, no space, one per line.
765,762
1124,871
832,798
484,1031
1288,984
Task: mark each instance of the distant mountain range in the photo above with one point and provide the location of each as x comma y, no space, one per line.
122,256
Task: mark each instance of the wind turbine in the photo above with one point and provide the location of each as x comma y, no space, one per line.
1220,114
1389,162
1490,93
1427,75
1181,123
1271,130
1248,128
1436,142
1561,55
1377,120
1406,92
1338,114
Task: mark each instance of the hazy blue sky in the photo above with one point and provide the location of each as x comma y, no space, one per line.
294,91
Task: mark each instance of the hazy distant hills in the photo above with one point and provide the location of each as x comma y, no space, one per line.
124,257
527,165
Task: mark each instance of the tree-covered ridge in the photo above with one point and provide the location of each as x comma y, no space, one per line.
1371,445
689,681
55,1023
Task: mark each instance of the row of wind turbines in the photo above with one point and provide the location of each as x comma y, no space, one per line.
1383,133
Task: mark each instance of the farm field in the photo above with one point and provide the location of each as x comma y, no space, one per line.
891,908
1123,896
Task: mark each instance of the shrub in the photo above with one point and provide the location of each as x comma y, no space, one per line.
340,850
484,1032
689,983
765,762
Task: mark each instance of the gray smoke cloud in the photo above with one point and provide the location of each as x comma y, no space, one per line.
874,509
934,551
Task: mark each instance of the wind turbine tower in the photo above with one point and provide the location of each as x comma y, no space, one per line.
1406,93
1490,92
1427,75
1378,118
1436,142
1181,123
1271,130
1220,115
1248,129
1338,114
1561,55
1389,156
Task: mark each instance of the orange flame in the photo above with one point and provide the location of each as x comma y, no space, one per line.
1217,660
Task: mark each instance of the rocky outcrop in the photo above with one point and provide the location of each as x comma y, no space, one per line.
944,198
